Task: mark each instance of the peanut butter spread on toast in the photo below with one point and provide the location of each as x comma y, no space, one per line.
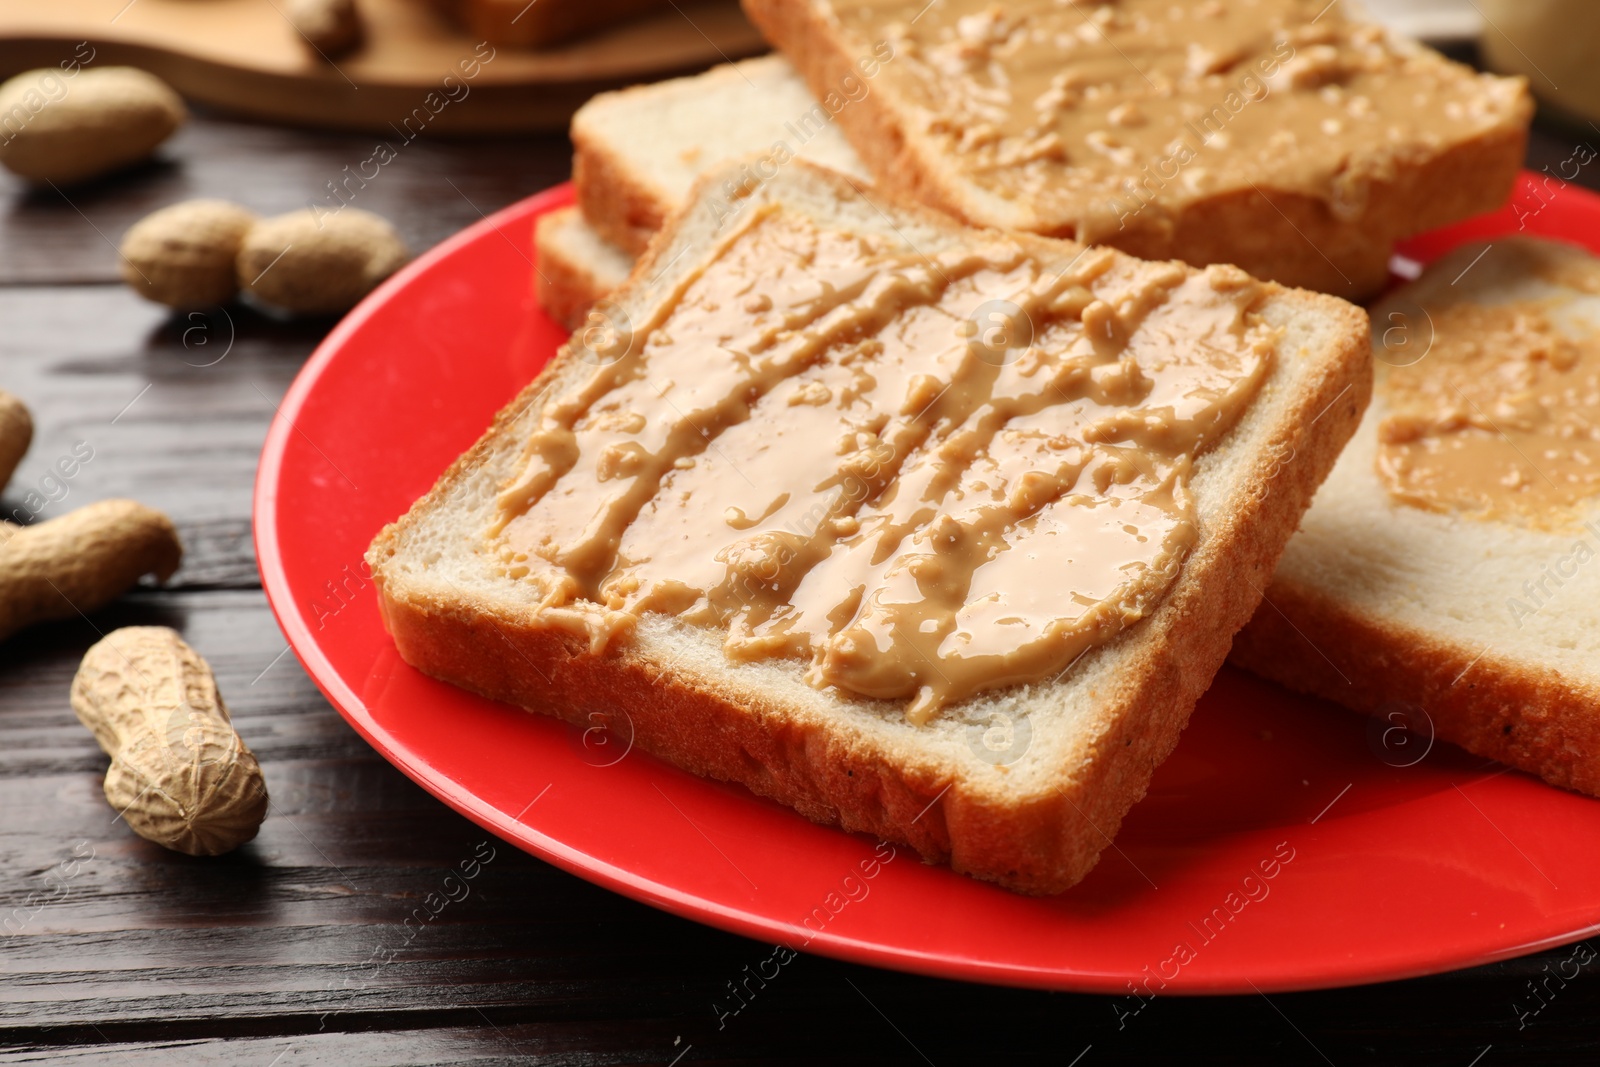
1104,116
924,476
1500,420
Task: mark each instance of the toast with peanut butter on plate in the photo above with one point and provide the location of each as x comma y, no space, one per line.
1283,136
1446,579
928,532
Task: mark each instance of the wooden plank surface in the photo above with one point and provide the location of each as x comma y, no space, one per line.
430,190
268,956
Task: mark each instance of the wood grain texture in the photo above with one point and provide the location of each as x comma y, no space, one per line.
428,192
141,956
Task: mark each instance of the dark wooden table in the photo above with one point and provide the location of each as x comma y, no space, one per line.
145,956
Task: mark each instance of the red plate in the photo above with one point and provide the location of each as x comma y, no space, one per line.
1286,845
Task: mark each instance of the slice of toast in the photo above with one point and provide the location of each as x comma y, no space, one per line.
1032,812
577,267
637,151
1276,135
1480,627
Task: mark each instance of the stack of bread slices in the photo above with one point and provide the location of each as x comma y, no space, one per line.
1151,193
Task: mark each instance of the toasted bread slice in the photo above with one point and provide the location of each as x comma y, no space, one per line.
577,267
1034,820
1274,135
525,24
637,151
1483,630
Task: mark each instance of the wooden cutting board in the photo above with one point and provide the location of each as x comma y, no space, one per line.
243,56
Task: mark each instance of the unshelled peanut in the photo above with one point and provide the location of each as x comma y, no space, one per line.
82,561
184,255
180,774
319,262
331,27
16,434
104,119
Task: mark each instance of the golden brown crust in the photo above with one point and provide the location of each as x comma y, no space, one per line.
1296,239
619,205
1492,705
1285,237
566,287
1042,842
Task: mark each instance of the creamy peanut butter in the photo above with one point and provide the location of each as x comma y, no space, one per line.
926,476
1501,419
1102,117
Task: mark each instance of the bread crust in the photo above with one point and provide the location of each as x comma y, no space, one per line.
1289,238
1484,684
1295,239
566,286
1502,708
834,773
622,206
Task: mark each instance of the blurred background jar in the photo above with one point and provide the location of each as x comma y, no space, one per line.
1555,43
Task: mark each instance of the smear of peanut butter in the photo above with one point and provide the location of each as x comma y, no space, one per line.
1501,419
1101,117
926,476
